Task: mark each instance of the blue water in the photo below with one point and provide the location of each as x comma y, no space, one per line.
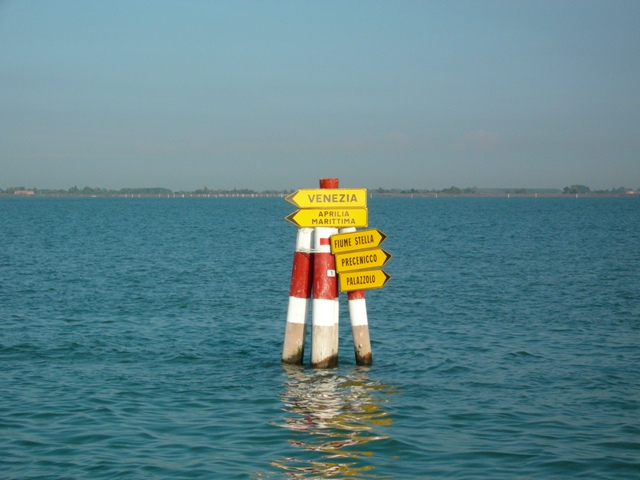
141,338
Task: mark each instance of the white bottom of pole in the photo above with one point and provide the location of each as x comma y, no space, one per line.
324,351
293,349
323,312
360,329
358,312
298,310
295,332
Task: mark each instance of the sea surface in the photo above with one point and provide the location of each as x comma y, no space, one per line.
141,338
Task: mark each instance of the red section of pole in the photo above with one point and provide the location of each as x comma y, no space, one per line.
329,183
356,295
324,343
299,298
301,275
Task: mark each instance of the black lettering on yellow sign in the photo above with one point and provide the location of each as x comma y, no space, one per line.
332,218
329,217
332,198
361,280
333,213
361,260
332,222
344,242
353,241
364,239
364,259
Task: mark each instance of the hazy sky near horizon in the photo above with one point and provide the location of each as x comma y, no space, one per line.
277,94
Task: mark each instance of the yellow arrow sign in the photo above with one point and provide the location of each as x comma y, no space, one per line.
349,242
329,217
364,280
349,262
329,198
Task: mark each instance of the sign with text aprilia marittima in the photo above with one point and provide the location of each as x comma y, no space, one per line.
329,217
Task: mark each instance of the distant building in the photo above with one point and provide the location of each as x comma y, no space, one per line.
26,193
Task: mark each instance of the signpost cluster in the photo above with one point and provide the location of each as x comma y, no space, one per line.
356,255
331,256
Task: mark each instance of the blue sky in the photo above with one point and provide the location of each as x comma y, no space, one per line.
277,94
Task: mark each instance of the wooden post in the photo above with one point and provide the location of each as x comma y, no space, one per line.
359,322
360,327
299,298
324,338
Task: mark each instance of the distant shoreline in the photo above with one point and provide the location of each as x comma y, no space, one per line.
283,195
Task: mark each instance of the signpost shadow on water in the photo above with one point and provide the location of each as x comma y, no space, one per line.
334,419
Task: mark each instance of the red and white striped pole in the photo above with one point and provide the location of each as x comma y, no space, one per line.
360,327
324,338
359,322
299,298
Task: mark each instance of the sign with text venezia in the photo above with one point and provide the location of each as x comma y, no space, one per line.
329,198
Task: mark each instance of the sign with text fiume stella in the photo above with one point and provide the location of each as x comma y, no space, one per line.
360,240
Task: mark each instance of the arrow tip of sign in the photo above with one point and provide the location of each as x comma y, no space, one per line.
289,218
289,198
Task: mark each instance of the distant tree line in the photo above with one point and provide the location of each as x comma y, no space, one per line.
147,191
90,191
584,189
453,190
577,189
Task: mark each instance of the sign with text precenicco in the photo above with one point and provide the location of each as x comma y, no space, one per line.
329,198
362,260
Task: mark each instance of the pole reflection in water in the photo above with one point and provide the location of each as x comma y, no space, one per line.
334,416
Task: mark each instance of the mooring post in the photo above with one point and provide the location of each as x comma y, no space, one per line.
359,321
360,327
325,307
299,299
